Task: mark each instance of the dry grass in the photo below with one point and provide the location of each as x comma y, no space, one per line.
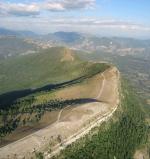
72,119
148,101
77,91
22,131
87,89
142,154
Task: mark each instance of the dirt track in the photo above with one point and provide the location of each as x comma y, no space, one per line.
85,130
78,122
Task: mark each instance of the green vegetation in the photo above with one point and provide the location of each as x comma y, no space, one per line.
39,155
133,67
22,108
12,46
36,70
116,140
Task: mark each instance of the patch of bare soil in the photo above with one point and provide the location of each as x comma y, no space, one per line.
68,56
148,101
142,154
88,89
76,114
92,85
71,121
47,119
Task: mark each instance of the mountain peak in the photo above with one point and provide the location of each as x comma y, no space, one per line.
68,36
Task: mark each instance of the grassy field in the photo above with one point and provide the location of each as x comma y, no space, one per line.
117,139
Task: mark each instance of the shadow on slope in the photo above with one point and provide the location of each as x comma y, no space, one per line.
59,104
9,98
37,111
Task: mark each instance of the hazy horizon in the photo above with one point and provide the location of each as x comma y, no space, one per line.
97,17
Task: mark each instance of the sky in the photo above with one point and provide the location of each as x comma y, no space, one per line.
129,18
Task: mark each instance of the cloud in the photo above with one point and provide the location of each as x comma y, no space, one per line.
97,26
54,6
30,9
93,22
19,9
65,5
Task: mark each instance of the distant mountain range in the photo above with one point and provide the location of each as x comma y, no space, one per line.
31,41
12,45
7,32
62,36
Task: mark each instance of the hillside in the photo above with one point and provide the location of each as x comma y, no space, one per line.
49,66
117,138
113,45
12,46
35,87
132,67
60,99
63,114
54,98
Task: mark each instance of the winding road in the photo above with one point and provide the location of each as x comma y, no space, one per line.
26,145
84,130
97,97
102,87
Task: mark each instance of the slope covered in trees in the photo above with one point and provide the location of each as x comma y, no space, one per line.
54,65
117,139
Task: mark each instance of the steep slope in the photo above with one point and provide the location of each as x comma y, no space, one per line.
49,66
117,138
30,84
74,120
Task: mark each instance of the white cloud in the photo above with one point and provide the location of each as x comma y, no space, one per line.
64,5
29,9
19,9
78,4
93,22
53,6
83,22
97,26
